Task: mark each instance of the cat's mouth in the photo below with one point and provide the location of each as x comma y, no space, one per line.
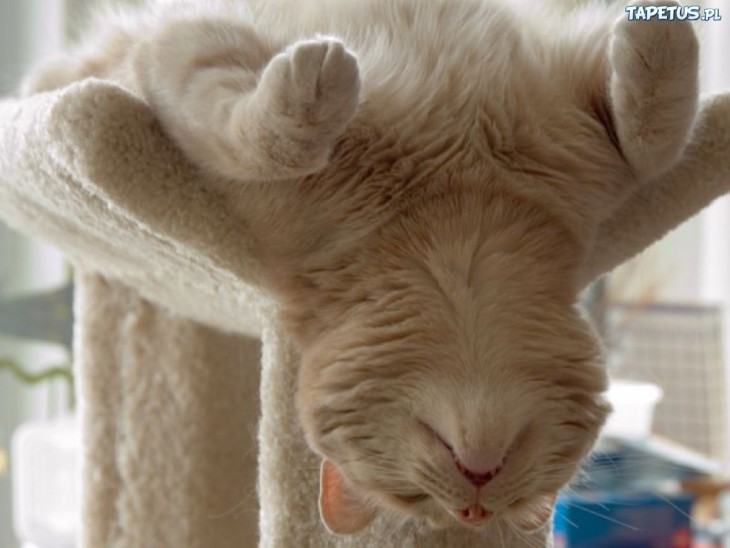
473,515
527,515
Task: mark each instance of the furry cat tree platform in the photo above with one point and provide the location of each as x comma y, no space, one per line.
168,313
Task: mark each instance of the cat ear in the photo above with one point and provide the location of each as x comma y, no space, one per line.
342,510
535,515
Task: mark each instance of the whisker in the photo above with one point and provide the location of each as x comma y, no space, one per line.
522,535
670,503
239,508
569,521
501,535
607,518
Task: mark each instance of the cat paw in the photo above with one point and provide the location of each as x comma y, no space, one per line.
654,89
315,84
655,48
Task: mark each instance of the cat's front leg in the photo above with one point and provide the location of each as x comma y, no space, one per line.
306,97
653,89
242,111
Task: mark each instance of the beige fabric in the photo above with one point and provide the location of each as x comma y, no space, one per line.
654,209
167,403
89,170
169,412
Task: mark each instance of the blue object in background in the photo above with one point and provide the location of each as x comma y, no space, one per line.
598,519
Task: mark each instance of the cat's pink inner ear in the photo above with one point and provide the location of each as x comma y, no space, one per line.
342,510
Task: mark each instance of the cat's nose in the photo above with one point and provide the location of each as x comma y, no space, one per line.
473,515
478,468
478,465
478,478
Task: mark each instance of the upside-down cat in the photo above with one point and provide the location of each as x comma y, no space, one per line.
423,179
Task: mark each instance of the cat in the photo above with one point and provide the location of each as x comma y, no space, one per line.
423,179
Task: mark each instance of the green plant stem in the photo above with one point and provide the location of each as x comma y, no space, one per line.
59,371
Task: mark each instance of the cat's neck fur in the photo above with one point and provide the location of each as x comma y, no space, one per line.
465,241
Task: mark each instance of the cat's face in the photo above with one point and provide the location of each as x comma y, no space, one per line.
451,401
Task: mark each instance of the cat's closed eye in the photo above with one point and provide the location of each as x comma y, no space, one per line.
412,498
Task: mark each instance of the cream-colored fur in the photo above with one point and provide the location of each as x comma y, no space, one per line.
426,157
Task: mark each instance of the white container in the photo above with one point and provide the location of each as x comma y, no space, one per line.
45,494
633,409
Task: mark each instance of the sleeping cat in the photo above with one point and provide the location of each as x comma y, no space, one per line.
423,179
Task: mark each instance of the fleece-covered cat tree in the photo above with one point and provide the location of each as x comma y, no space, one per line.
168,315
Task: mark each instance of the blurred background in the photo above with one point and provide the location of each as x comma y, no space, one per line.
36,399
665,317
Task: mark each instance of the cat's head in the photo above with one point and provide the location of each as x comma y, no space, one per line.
459,385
